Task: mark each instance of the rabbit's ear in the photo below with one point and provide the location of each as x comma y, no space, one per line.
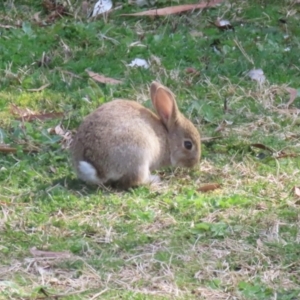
164,103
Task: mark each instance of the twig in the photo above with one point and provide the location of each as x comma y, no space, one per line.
243,51
100,293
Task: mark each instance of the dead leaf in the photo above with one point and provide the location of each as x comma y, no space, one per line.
21,112
257,75
102,78
39,89
49,254
36,17
191,70
221,126
7,149
261,206
275,154
65,134
7,26
222,24
262,146
175,9
55,10
58,130
139,62
101,7
293,95
48,5
208,187
282,154
297,191
25,114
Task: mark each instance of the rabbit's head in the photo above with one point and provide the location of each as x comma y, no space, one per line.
183,137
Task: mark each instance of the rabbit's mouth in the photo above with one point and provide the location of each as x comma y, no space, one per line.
184,162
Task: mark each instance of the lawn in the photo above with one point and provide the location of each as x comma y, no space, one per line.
228,229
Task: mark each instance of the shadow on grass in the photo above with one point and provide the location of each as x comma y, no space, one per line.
76,185
61,189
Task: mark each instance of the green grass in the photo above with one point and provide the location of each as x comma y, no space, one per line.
239,241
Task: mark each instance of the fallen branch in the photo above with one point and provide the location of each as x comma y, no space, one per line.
175,9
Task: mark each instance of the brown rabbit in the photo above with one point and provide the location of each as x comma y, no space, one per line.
121,142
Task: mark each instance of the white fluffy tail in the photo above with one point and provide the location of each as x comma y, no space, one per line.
88,173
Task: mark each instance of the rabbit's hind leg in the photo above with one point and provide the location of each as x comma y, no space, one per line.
139,176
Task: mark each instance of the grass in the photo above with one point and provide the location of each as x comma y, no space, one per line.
240,241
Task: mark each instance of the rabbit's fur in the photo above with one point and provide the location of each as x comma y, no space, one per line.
121,142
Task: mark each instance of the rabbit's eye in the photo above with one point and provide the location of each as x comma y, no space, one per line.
188,145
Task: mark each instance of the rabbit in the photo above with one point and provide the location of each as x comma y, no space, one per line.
121,142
